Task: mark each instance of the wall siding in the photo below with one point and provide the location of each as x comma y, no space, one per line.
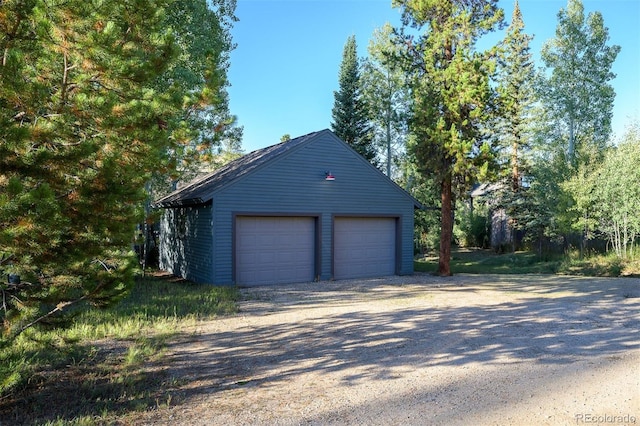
295,183
186,239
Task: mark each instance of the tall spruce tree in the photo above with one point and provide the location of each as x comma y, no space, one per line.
577,94
516,93
451,96
350,116
83,125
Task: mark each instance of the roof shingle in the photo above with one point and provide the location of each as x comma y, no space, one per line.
201,189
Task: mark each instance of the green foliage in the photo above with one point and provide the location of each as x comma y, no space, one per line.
488,262
427,220
198,76
452,96
609,195
350,117
607,265
542,209
472,228
570,128
577,95
523,262
93,367
581,212
89,111
515,98
386,93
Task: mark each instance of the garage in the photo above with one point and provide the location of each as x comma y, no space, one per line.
274,250
364,247
306,209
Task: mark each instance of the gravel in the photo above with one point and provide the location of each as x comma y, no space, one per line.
416,350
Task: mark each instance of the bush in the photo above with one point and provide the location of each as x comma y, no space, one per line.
472,230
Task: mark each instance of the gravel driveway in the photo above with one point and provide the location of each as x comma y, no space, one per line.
418,350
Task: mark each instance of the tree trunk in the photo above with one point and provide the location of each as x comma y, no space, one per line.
571,150
584,247
446,228
540,236
389,145
515,173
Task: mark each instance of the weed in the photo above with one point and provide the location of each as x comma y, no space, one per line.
605,265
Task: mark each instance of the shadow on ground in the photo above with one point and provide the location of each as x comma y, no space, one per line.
375,327
552,321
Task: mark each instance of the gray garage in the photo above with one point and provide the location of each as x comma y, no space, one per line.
274,249
364,247
307,209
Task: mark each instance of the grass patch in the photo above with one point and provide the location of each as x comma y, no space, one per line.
102,367
471,261
488,262
601,265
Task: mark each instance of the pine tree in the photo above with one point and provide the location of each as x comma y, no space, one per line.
452,97
350,116
516,92
83,126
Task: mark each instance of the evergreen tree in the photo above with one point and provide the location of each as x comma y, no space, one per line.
516,96
577,93
451,97
350,116
84,123
516,92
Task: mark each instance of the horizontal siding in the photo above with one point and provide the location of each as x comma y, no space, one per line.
295,184
186,243
223,245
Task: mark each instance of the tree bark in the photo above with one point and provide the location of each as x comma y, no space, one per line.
515,173
446,227
571,150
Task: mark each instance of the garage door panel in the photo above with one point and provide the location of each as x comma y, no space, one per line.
273,250
364,247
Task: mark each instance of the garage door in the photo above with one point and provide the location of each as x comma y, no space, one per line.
274,250
364,247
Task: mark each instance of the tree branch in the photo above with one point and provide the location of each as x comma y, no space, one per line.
61,306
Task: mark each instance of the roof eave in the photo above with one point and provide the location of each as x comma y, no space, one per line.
179,203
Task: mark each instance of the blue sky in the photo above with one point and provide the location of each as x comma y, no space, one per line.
284,69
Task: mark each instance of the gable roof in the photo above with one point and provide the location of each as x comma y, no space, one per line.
201,190
198,191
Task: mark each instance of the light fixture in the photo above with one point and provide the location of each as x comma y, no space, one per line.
329,176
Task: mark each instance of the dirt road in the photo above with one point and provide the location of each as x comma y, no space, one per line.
422,350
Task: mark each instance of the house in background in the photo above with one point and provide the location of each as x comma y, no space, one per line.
501,232
310,208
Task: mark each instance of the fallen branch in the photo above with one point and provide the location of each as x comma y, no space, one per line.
61,306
